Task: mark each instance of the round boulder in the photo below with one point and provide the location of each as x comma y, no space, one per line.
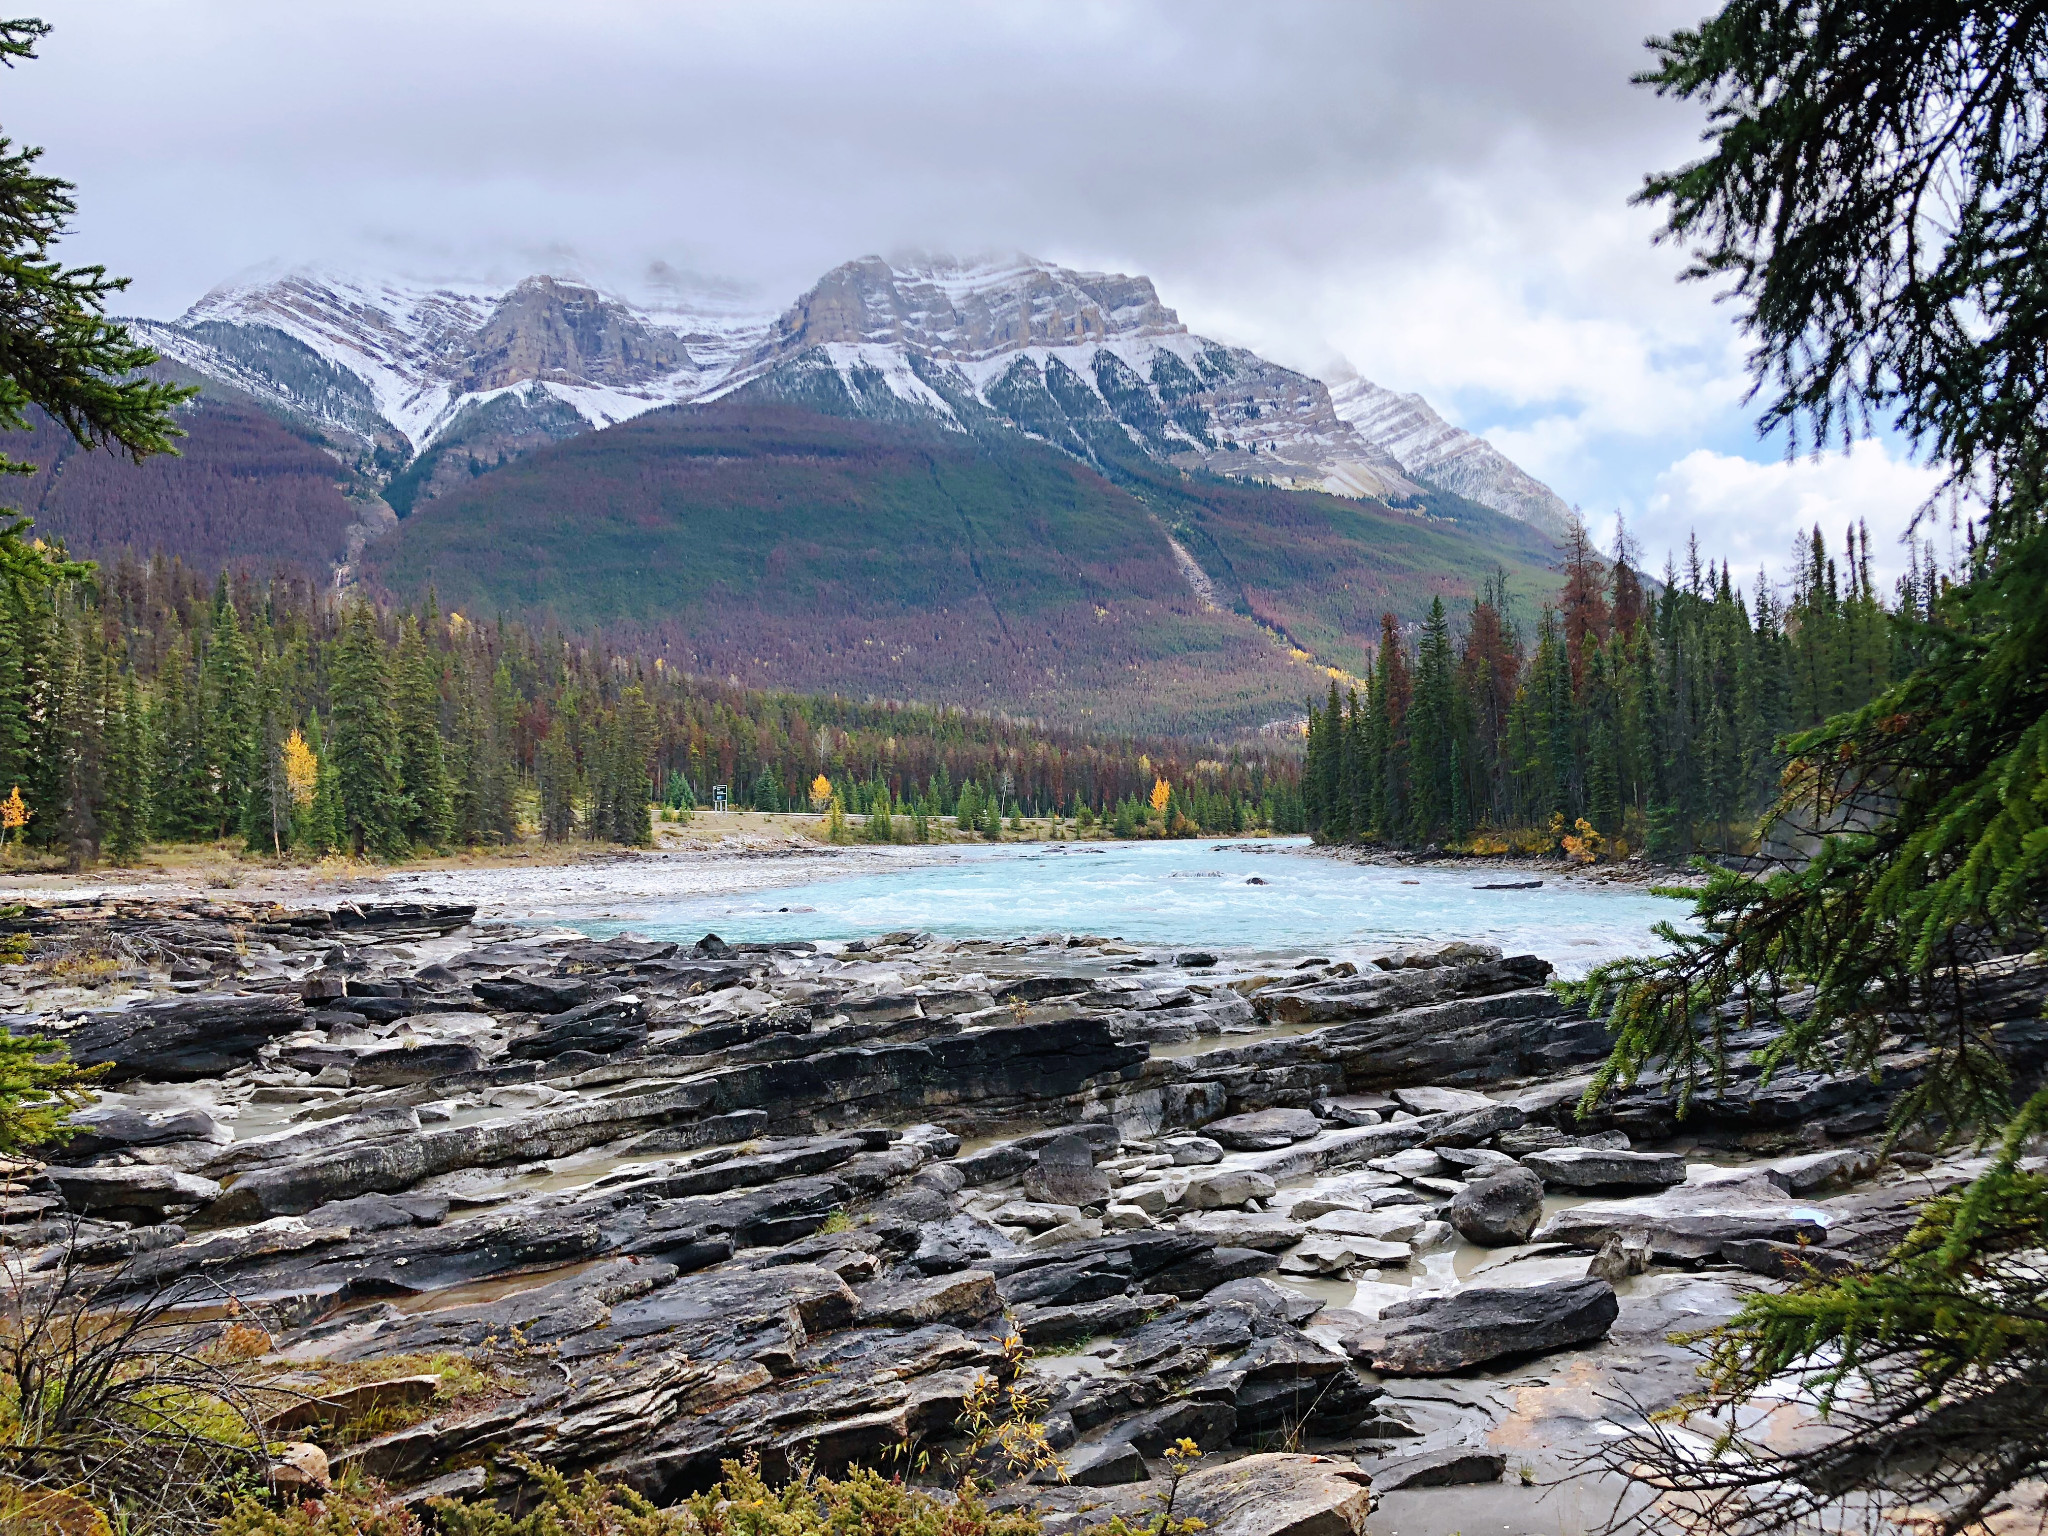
1500,1210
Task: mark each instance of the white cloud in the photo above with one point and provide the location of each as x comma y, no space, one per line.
1751,513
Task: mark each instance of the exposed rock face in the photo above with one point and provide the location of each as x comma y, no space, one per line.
1431,449
182,1040
1440,1334
870,301
744,1223
546,329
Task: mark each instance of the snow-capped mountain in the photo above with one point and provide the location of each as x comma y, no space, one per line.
431,383
419,355
1090,361
1431,449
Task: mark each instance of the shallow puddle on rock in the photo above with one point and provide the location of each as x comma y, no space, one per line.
483,1292
1073,1367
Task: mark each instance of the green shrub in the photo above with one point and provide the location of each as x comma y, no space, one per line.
863,1503
39,1087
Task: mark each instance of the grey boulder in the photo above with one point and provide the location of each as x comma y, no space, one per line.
1470,1127
1499,1210
1064,1173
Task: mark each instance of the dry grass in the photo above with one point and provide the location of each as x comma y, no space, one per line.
123,1403
465,1381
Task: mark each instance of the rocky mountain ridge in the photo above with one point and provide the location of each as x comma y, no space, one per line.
426,384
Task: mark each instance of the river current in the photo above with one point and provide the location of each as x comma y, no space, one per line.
1252,898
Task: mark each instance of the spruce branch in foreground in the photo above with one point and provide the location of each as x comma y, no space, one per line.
1877,188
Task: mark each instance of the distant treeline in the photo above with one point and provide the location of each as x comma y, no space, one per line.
1637,719
140,703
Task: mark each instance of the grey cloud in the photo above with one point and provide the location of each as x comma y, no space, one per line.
1282,169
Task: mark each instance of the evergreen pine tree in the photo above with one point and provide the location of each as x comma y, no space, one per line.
633,822
228,727
73,735
557,772
1866,297
363,740
422,769
318,827
126,816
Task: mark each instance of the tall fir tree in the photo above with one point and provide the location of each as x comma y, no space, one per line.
363,738
229,712
422,769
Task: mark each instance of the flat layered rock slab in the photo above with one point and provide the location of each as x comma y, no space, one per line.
182,1039
1272,1494
1600,1168
1263,1130
1691,1221
1436,1335
966,1296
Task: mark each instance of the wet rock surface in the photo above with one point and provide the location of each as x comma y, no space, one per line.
1340,1228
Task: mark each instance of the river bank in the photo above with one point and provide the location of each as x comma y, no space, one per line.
724,855
787,1197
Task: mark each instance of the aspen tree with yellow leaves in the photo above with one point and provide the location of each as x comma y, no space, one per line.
14,815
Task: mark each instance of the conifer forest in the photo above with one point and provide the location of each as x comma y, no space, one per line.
1634,715
139,703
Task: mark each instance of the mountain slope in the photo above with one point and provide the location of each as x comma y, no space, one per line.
1092,362
242,490
790,548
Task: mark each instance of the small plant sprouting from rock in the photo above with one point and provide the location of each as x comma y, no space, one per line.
1001,1420
1180,1458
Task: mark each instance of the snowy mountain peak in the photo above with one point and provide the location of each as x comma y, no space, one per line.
450,378
961,311
1430,447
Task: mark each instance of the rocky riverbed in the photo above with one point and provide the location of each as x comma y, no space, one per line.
671,1204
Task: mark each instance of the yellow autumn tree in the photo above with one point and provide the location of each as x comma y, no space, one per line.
14,815
301,770
1162,792
821,792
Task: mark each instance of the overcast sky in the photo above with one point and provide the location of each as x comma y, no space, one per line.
1437,193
